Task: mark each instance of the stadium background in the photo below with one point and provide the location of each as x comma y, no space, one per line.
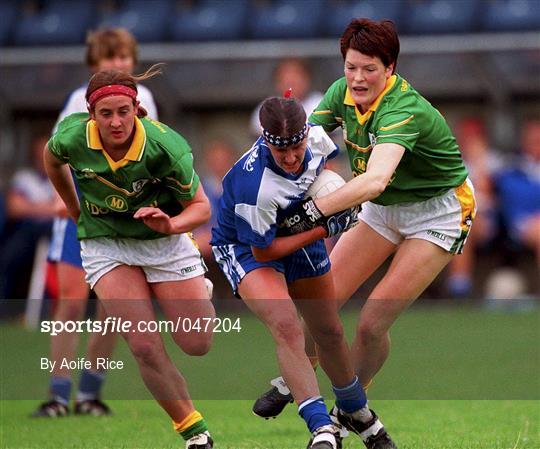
470,58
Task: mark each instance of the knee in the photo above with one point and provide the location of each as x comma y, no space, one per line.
329,334
369,333
146,351
70,309
288,332
195,346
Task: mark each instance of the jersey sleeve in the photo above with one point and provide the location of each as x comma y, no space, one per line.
255,223
327,114
320,140
397,126
57,144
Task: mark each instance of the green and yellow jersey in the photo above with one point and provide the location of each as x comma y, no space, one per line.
432,163
157,170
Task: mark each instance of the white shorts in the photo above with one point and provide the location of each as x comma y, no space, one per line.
444,220
171,258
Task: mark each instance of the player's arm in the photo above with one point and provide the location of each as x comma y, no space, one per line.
382,164
196,212
60,176
283,246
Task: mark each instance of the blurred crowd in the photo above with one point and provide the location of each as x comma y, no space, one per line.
501,259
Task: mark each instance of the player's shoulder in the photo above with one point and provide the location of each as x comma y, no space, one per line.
245,175
161,135
73,123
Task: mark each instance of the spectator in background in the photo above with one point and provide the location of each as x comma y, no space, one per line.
482,163
219,155
29,207
106,48
518,191
290,73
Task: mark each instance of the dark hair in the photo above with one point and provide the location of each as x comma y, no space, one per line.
113,76
107,43
372,38
282,116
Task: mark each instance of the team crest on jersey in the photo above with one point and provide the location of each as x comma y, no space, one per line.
116,203
88,173
372,139
248,164
139,184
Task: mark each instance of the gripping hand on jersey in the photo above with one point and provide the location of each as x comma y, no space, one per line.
301,217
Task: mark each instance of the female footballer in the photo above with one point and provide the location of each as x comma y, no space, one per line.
278,276
417,201
140,197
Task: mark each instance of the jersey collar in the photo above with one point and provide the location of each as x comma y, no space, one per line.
134,153
363,118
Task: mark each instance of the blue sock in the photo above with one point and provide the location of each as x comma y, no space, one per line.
314,413
90,384
60,389
351,397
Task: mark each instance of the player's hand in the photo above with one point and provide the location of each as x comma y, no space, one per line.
341,221
303,216
155,219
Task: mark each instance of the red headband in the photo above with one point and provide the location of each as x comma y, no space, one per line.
111,90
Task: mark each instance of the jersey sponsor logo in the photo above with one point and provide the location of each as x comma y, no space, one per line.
248,164
437,235
116,203
359,165
94,209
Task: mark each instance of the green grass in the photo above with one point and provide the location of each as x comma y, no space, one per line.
457,378
464,424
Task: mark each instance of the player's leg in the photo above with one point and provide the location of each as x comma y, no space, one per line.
70,306
188,300
175,274
356,256
100,346
265,292
126,294
414,267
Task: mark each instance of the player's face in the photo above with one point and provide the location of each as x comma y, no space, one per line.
289,158
366,77
122,61
115,118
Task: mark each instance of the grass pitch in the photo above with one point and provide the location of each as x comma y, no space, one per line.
456,379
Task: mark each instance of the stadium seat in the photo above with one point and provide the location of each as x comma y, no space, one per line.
58,22
146,19
8,13
440,16
511,15
287,19
211,20
339,14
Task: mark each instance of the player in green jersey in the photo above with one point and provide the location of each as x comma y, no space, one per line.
417,201
139,199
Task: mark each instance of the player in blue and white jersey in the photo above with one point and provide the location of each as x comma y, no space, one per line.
276,275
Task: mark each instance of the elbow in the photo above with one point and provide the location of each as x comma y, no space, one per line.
378,186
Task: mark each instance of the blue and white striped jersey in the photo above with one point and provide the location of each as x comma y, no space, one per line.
257,192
